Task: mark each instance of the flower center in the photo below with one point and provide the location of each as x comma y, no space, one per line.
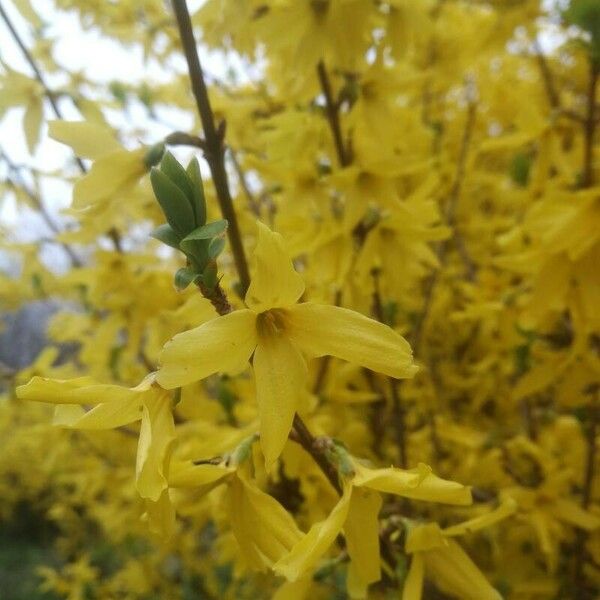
271,323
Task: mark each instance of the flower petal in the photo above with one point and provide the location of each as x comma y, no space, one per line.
419,483
456,574
107,415
413,584
222,344
264,530
361,531
319,329
275,283
306,553
82,390
156,437
281,375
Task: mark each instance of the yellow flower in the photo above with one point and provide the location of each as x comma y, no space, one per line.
356,514
115,169
115,406
278,331
436,554
263,529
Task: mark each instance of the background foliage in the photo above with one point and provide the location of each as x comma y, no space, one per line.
431,164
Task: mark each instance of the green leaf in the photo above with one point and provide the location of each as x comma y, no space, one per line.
208,231
184,277
193,171
209,275
165,234
176,173
216,247
173,202
153,155
196,250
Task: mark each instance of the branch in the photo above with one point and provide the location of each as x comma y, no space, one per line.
113,234
586,497
315,447
38,74
442,249
253,203
17,181
547,77
331,107
589,128
214,151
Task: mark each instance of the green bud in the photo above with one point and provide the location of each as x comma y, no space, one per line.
184,277
154,155
165,234
176,173
173,202
210,275
208,231
243,450
193,171
215,247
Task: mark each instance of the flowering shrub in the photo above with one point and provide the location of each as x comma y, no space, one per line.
357,353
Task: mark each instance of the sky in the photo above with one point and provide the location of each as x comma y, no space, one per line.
104,60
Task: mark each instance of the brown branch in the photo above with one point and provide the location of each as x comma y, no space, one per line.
17,182
581,536
547,77
398,410
442,248
113,234
253,203
214,151
333,116
589,128
38,74
315,447
180,138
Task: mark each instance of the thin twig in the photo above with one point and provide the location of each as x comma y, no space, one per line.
333,116
442,249
589,128
586,495
113,234
18,182
398,410
311,444
547,77
214,151
38,74
253,203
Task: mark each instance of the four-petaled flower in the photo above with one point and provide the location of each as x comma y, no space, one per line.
279,332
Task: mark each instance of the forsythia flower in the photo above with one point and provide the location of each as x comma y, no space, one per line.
277,330
435,552
116,406
357,514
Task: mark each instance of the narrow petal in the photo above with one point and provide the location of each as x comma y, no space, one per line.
161,516
156,437
281,375
413,584
82,390
107,415
307,552
419,483
222,344
275,283
506,509
319,329
456,574
264,530
361,531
